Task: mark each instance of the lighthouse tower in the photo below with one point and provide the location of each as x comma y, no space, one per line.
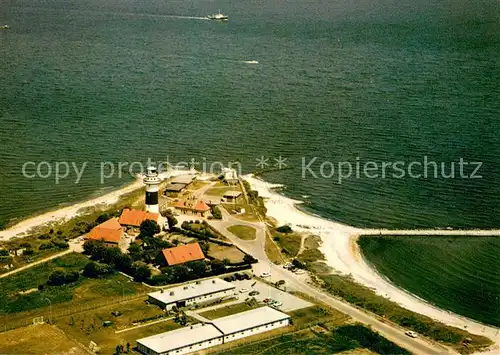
152,182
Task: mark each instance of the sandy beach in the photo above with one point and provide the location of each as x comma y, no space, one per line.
23,227
343,255
20,229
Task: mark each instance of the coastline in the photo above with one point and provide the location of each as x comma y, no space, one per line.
343,255
59,214
21,228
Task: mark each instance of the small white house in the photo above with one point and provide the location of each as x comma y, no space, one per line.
195,292
251,322
181,341
217,332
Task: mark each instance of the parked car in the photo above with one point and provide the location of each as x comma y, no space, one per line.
411,334
288,266
299,272
276,304
265,274
228,278
244,290
254,293
267,300
238,276
245,276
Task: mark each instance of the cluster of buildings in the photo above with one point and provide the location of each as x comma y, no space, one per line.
112,232
208,334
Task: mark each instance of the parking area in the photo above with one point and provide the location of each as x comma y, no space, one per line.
289,302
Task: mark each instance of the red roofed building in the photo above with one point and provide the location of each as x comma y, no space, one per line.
134,218
183,254
200,208
110,232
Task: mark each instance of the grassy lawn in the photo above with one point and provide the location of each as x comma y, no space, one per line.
272,251
222,252
15,306
92,329
228,310
243,232
311,253
221,190
39,339
318,314
338,340
364,297
289,242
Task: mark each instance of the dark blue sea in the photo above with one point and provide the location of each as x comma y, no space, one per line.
336,82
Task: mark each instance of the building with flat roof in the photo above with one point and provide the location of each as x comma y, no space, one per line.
181,341
196,292
216,332
232,195
175,187
251,322
185,180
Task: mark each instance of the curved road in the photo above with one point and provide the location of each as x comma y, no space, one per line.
256,248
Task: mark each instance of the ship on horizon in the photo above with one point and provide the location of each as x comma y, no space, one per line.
218,17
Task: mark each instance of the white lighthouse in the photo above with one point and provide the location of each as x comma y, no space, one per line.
152,182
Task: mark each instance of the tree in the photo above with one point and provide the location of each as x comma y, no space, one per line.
180,273
4,252
28,252
171,220
149,228
198,267
141,271
128,348
103,218
94,248
93,269
218,267
216,214
249,259
123,262
57,278
109,255
284,229
135,251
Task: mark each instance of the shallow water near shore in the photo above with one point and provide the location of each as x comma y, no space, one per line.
121,81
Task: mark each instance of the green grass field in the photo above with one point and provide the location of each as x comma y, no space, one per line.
340,339
81,291
461,274
243,232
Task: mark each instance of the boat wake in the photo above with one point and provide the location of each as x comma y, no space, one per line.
250,62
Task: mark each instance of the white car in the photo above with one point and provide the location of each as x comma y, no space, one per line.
411,334
265,274
276,304
244,290
299,272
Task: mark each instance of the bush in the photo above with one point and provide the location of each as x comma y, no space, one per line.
216,214
4,252
93,269
149,228
44,236
45,246
284,229
59,277
28,252
60,244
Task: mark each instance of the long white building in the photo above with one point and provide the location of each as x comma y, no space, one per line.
254,321
219,331
181,341
196,292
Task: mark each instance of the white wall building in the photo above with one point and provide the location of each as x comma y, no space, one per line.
219,331
195,292
181,341
251,322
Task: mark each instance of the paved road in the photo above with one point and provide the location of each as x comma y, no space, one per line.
256,248
74,246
